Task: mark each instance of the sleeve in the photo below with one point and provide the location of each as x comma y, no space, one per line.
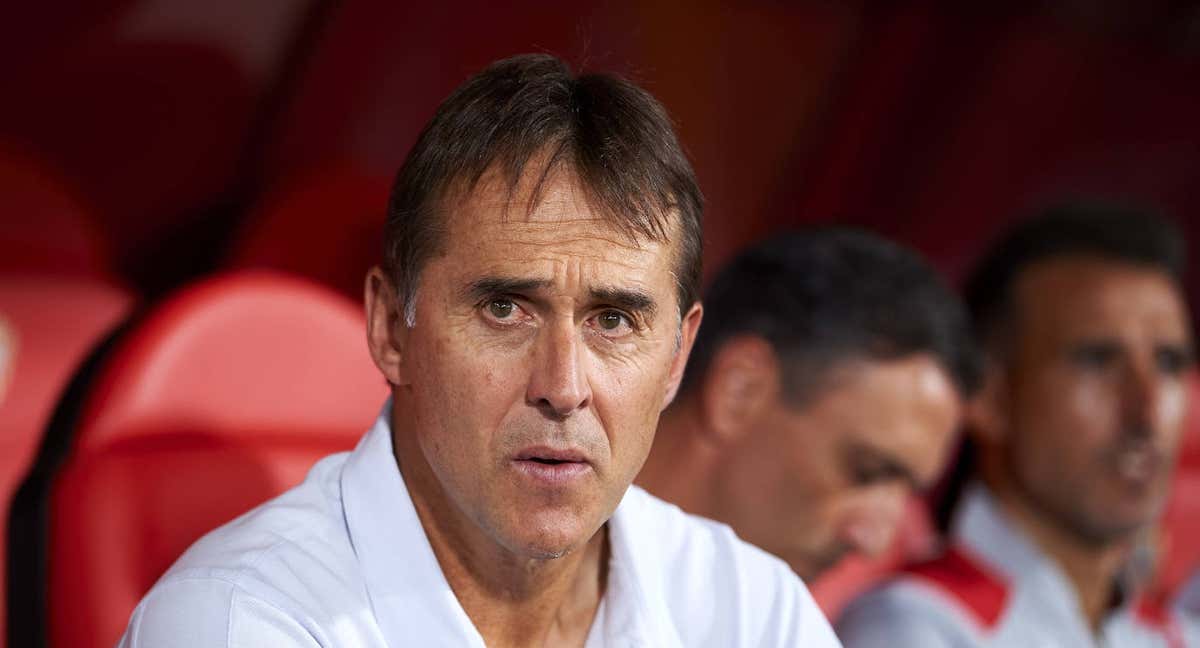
880,620
211,613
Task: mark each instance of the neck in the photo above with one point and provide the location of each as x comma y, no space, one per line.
1092,569
511,599
515,601
679,468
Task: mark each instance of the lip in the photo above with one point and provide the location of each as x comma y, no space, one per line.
552,466
1138,465
571,455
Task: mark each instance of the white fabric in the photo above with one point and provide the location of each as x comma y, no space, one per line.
1189,596
1041,609
342,561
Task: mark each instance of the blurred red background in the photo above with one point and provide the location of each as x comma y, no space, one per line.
174,121
148,143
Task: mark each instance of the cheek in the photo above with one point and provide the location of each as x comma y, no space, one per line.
1091,405
801,478
627,397
450,375
1061,416
1171,410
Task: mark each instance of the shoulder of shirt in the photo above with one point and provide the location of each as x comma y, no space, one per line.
302,531
683,539
901,614
954,594
710,576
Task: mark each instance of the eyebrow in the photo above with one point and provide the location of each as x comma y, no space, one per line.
631,299
891,465
489,286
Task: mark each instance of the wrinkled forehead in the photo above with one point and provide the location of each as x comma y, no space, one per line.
547,216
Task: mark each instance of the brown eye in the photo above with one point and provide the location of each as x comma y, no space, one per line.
501,308
610,320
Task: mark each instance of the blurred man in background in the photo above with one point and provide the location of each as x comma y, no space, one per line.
826,386
1074,434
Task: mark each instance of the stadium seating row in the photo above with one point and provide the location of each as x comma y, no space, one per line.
130,432
210,402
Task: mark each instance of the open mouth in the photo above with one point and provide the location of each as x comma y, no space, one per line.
552,466
548,462
551,456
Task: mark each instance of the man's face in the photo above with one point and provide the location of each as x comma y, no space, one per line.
1094,392
833,476
545,345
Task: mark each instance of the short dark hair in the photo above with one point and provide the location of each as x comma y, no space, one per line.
829,295
613,135
1111,232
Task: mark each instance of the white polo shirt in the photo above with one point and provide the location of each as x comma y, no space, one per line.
993,588
342,561
1189,595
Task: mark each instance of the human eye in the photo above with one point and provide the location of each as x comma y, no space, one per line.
1172,360
502,310
870,471
1095,356
612,324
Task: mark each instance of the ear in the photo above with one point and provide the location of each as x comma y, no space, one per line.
742,381
386,329
687,337
987,411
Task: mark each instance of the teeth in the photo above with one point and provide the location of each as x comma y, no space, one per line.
1135,465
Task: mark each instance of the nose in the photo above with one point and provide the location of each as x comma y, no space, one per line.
558,383
870,526
1143,399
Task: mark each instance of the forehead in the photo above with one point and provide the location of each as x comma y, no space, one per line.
906,409
1079,295
516,233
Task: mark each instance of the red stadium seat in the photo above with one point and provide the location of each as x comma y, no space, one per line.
51,323
44,227
325,225
151,130
221,398
914,540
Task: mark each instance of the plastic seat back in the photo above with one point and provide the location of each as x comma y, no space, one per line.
50,324
221,398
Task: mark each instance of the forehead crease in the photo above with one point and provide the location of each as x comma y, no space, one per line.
562,235
553,268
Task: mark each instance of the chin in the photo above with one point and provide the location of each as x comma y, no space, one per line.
551,537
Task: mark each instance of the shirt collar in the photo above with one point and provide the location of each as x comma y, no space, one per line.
406,585
404,582
982,528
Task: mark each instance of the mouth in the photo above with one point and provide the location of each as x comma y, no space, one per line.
551,456
551,466
1137,465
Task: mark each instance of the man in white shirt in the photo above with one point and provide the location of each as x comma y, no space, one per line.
534,313
1074,437
825,388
